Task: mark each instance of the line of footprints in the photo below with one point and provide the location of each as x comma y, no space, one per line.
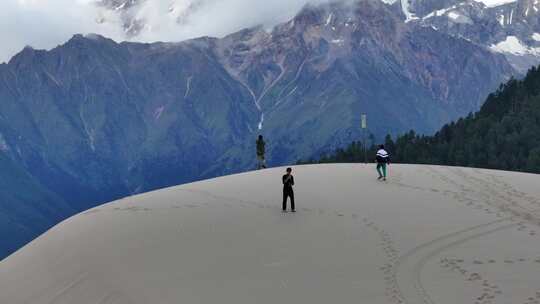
489,291
389,268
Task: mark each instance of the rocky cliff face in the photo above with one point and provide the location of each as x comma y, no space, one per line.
366,54
506,26
93,120
512,29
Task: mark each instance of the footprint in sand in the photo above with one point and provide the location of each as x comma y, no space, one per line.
475,277
508,262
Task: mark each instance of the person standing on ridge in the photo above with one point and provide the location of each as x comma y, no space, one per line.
383,159
261,162
288,182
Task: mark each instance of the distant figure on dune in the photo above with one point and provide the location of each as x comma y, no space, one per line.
288,183
261,163
383,159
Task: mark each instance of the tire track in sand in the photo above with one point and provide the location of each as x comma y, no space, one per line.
407,269
409,266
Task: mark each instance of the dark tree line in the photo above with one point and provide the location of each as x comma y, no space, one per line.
504,134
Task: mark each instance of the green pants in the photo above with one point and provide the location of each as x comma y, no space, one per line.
381,167
261,162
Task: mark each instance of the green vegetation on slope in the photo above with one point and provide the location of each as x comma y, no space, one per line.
504,134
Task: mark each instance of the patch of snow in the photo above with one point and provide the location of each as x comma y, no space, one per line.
121,6
536,36
511,16
512,45
453,15
329,19
440,12
501,19
405,8
450,12
495,3
338,41
458,18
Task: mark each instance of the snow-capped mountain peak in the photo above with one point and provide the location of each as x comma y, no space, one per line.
503,26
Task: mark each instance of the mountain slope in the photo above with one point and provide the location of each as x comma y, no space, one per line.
94,120
341,61
27,209
511,28
504,134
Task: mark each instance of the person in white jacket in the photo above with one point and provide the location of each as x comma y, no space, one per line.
383,159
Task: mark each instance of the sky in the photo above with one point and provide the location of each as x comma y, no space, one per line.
44,24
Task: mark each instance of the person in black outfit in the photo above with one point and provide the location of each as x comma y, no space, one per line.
261,162
288,182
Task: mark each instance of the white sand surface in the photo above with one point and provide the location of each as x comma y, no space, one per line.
428,235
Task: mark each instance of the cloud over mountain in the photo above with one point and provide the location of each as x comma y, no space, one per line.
47,23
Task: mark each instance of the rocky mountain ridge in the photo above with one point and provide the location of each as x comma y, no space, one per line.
511,28
508,27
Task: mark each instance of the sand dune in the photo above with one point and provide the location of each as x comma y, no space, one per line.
428,235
